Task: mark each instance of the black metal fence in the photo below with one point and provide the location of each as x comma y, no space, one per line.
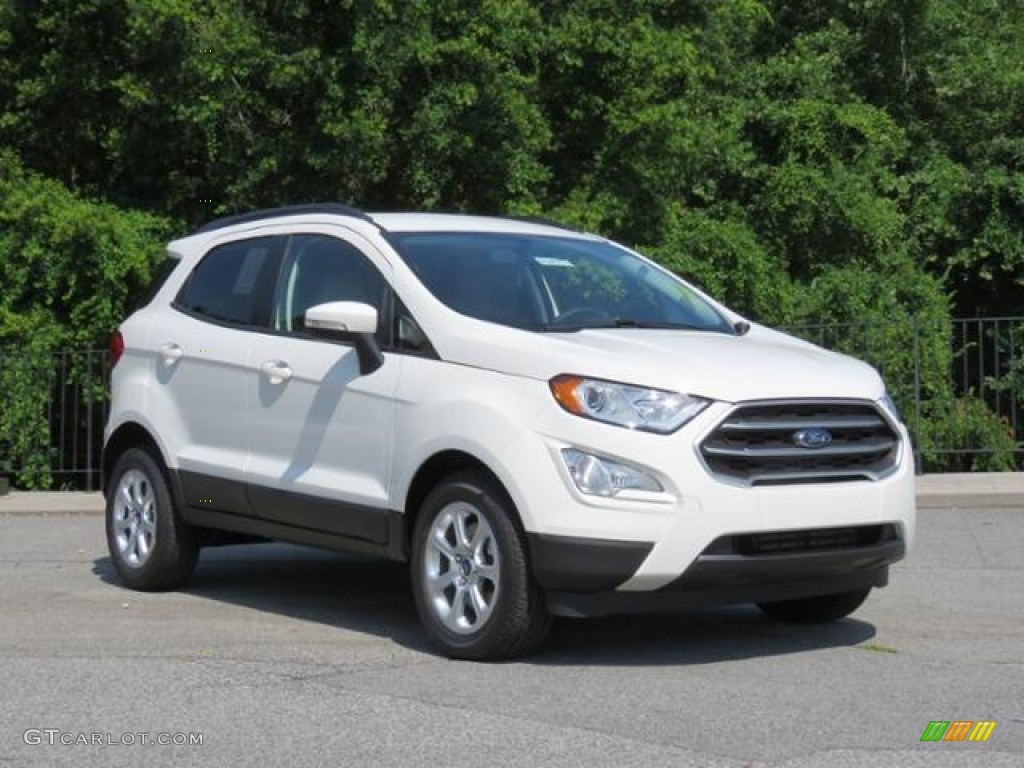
77,417
959,385
53,408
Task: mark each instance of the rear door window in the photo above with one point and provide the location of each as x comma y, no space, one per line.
234,282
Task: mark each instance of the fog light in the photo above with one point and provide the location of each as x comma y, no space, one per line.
603,477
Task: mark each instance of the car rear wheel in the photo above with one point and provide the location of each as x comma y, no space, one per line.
816,610
472,585
150,546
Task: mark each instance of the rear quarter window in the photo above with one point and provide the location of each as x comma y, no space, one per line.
161,272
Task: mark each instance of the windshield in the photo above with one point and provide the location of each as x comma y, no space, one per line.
552,284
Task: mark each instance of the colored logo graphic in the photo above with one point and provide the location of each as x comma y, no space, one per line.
815,437
958,730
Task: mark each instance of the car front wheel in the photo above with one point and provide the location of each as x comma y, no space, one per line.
473,588
816,610
150,546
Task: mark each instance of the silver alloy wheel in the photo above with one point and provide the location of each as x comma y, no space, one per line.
461,568
134,518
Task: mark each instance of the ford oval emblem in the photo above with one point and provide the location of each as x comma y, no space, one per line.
814,437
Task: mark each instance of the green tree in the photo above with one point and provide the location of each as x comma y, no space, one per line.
71,270
856,161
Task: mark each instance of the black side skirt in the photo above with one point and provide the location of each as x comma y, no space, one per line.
227,505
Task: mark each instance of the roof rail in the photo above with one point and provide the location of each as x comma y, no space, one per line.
289,210
546,222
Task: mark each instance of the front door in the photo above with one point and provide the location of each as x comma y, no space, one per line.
321,431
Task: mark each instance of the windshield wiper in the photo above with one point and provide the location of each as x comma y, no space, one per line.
621,322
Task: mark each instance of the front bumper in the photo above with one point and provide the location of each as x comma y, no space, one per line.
664,542
574,564
726,572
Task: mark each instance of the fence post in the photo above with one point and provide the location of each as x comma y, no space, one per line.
918,458
88,421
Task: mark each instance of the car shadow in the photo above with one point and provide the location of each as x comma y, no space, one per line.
371,595
349,591
691,637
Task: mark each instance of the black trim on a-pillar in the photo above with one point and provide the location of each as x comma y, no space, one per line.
577,564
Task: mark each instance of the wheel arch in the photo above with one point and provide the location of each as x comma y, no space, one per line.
435,469
130,434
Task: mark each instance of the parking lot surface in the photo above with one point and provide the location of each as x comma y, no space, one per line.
278,655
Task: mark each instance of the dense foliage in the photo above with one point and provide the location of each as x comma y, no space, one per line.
844,161
69,270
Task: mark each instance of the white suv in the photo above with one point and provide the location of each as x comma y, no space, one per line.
540,421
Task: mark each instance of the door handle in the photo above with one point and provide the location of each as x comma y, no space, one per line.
170,353
276,371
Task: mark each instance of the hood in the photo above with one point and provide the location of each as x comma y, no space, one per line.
763,364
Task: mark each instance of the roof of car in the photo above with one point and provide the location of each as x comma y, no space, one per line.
397,222
453,222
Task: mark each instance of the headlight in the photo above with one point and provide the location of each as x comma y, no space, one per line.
652,410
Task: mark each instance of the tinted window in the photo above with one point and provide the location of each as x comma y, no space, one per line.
233,282
552,283
319,269
407,336
161,272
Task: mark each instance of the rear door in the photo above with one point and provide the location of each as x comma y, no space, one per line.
201,352
322,431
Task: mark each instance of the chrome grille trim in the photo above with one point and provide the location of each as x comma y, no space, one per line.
754,444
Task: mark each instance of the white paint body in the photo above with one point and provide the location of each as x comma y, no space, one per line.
488,396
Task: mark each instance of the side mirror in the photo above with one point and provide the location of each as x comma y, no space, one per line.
347,317
348,321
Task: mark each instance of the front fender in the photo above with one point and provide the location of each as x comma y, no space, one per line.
479,413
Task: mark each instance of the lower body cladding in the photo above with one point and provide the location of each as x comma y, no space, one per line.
580,576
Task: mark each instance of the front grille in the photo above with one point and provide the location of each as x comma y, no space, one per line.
809,540
760,443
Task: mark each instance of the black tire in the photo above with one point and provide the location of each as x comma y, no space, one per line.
163,552
518,619
816,610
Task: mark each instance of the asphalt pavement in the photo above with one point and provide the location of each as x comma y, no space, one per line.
278,655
